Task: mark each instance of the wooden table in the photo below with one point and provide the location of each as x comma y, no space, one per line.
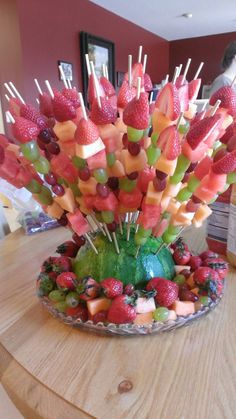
53,371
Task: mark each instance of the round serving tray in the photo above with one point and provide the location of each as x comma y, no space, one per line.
128,329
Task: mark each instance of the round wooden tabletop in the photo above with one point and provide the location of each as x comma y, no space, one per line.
53,371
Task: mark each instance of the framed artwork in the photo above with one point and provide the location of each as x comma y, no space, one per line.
67,68
100,51
120,78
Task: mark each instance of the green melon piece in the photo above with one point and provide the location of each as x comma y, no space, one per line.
124,266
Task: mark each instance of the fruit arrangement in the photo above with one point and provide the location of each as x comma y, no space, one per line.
126,175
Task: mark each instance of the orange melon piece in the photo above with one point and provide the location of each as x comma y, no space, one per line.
172,315
54,210
88,187
165,203
88,150
166,166
145,305
116,170
190,281
119,124
68,147
133,163
180,220
195,291
172,190
160,121
183,308
82,205
98,304
173,207
122,209
67,201
108,130
65,131
143,318
153,197
201,214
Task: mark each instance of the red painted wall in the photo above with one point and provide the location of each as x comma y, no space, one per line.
50,32
208,49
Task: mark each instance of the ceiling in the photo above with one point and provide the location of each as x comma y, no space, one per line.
164,18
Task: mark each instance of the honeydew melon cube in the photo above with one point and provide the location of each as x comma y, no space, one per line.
88,150
145,305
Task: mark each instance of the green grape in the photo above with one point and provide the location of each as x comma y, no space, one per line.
166,215
142,232
154,138
72,299
174,230
42,165
176,178
61,306
107,216
100,175
183,129
153,153
161,314
99,217
111,158
193,183
179,279
75,189
184,194
182,164
204,300
56,295
45,196
78,162
134,134
34,186
127,185
30,151
46,284
168,238
231,178
139,241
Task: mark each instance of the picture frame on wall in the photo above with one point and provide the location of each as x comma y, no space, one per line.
67,68
101,51
119,78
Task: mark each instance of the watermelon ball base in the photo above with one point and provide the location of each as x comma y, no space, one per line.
125,268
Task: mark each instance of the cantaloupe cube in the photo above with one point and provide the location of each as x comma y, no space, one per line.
134,163
54,210
195,290
88,187
108,130
122,209
166,166
119,124
191,112
165,200
160,121
180,220
172,190
183,308
67,201
145,305
179,268
116,170
143,318
153,197
172,315
98,304
190,281
88,150
82,206
201,214
173,206
65,131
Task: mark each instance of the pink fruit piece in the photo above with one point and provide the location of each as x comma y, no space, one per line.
203,167
25,130
105,114
168,101
45,105
200,131
227,96
107,86
184,97
72,96
125,95
147,82
111,287
226,164
63,108
136,113
169,143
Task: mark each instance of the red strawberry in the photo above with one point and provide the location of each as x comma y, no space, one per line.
80,312
231,145
47,265
72,96
181,256
136,113
45,105
180,81
198,117
147,82
227,96
167,291
169,142
30,113
2,154
68,248
88,288
218,264
193,89
105,114
183,97
24,130
226,164
111,287
101,316
62,264
230,131
125,95
168,102
204,274
187,295
4,142
107,86
66,280
201,130
121,311
87,132
219,154
195,262
129,289
63,108
208,254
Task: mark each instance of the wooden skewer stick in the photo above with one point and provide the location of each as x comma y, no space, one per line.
138,88
234,80
186,70
82,106
166,79
129,225
180,68
104,70
91,223
88,65
198,70
130,69
38,86
107,75
91,243
37,100
144,63
98,224
96,84
49,88
107,232
137,227
179,120
16,92
140,50
120,225
63,76
116,243
7,97
9,90
10,117
151,97
69,83
137,252
205,104
215,107
175,75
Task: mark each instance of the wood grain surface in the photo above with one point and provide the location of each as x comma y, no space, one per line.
53,371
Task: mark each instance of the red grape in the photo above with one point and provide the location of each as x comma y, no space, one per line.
79,240
50,178
58,190
45,136
113,183
84,174
132,176
160,175
159,184
134,148
102,190
112,226
63,221
53,148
